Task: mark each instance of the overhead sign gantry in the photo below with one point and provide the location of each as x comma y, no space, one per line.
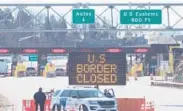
87,13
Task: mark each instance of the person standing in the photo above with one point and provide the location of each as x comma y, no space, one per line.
40,99
49,94
107,93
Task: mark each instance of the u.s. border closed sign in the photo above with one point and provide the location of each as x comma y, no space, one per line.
97,68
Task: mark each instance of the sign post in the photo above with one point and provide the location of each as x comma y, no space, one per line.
83,16
140,17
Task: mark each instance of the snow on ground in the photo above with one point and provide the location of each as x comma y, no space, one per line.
16,89
4,102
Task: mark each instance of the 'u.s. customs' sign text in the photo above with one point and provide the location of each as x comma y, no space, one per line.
140,17
86,68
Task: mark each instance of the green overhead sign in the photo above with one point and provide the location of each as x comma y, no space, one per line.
83,16
140,16
33,57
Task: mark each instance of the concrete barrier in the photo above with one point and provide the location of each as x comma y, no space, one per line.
166,84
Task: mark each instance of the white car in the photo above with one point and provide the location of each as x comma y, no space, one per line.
60,72
82,99
31,71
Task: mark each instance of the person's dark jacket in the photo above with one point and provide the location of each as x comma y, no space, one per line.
40,97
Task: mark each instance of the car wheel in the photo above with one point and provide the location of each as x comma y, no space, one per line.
83,108
56,108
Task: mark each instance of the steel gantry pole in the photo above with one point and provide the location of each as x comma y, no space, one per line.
168,15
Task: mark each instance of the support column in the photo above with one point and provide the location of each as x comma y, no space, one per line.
42,61
14,64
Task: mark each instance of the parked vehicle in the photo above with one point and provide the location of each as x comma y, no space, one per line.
3,69
60,72
31,71
82,99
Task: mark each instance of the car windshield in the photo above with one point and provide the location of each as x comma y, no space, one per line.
90,93
56,93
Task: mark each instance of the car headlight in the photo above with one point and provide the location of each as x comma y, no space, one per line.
93,102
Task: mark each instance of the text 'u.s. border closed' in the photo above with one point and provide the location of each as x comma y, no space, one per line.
97,68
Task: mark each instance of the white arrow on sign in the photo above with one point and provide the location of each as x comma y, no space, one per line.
83,19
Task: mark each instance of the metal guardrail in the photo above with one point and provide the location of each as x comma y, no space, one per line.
165,82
